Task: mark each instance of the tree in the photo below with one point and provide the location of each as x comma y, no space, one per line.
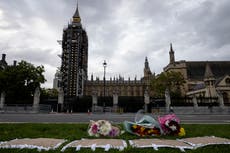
20,81
49,93
171,80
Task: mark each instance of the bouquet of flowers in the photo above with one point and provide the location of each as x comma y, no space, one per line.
170,125
145,130
145,126
103,128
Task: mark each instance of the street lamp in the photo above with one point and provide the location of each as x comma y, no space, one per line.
104,65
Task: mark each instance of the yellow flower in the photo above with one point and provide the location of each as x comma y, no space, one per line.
150,131
134,126
182,132
142,129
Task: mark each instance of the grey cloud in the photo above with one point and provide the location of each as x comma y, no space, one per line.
33,55
158,11
209,22
97,12
120,31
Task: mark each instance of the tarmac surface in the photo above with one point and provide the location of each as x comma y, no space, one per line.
114,117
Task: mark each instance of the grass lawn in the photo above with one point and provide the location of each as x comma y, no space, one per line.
78,131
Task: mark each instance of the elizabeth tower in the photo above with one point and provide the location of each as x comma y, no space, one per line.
74,57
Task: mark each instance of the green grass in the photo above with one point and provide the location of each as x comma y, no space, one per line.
78,131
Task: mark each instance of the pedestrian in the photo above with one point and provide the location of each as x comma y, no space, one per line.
210,107
171,109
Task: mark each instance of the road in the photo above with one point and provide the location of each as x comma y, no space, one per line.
116,118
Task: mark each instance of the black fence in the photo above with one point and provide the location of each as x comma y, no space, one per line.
207,101
131,104
77,104
181,101
106,101
51,101
188,101
126,103
18,100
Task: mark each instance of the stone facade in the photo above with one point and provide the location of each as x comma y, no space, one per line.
203,78
120,86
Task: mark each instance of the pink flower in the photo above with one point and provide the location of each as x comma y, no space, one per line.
165,120
94,128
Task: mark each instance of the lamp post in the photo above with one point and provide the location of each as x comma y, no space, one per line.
104,65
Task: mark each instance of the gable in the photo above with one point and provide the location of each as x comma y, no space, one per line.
225,81
196,69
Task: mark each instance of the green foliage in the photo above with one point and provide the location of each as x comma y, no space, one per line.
167,80
20,81
51,93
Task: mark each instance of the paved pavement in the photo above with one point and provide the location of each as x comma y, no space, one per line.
114,117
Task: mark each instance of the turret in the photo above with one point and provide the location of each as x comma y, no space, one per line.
146,63
76,16
3,57
171,55
147,71
3,63
209,81
208,76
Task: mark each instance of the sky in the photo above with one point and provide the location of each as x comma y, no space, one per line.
122,32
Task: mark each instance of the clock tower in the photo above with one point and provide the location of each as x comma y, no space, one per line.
74,67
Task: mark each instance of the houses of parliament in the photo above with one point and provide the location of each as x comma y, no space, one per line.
73,77
203,78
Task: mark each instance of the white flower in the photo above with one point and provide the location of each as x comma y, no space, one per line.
173,127
105,128
167,123
99,128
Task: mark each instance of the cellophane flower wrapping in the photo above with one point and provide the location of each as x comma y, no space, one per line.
144,126
103,128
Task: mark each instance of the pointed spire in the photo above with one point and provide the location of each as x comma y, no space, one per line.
147,71
208,72
171,48
146,59
171,55
76,16
146,63
92,77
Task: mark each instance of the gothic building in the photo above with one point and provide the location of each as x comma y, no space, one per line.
74,57
203,78
73,70
120,86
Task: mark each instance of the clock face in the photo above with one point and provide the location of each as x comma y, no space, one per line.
76,19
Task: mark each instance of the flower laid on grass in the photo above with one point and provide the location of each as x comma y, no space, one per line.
170,124
145,131
148,126
103,128
182,132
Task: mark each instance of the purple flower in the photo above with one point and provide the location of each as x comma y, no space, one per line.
114,132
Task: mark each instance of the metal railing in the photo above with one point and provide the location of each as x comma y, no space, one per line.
26,108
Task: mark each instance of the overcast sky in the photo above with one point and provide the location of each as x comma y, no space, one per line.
122,32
